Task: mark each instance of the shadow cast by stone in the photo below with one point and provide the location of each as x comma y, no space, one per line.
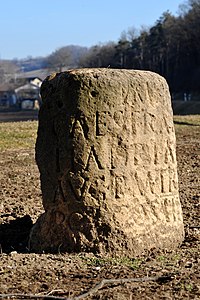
14,235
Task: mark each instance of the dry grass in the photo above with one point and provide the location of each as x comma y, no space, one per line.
22,135
18,135
187,120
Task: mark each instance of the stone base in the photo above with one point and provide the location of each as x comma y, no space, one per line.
50,236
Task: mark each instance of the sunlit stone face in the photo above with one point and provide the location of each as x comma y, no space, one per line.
106,154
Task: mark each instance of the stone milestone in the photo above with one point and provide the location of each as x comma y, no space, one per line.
106,155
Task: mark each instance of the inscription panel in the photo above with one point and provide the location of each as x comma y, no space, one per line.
134,122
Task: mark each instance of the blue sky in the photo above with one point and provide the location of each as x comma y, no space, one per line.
39,27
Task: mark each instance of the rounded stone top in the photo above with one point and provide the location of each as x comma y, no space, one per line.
108,72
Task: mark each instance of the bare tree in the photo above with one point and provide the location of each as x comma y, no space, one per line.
59,59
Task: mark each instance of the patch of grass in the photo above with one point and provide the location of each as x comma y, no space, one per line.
189,287
161,258
169,261
189,125
132,263
193,120
185,286
18,135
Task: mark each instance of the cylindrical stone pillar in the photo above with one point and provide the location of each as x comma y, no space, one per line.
106,155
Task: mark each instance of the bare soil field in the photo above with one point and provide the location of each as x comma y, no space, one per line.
154,275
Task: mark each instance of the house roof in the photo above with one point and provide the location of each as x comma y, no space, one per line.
41,74
32,83
28,86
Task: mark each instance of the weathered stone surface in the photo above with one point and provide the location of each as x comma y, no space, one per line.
106,154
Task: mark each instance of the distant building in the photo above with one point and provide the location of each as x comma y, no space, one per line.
16,94
8,96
